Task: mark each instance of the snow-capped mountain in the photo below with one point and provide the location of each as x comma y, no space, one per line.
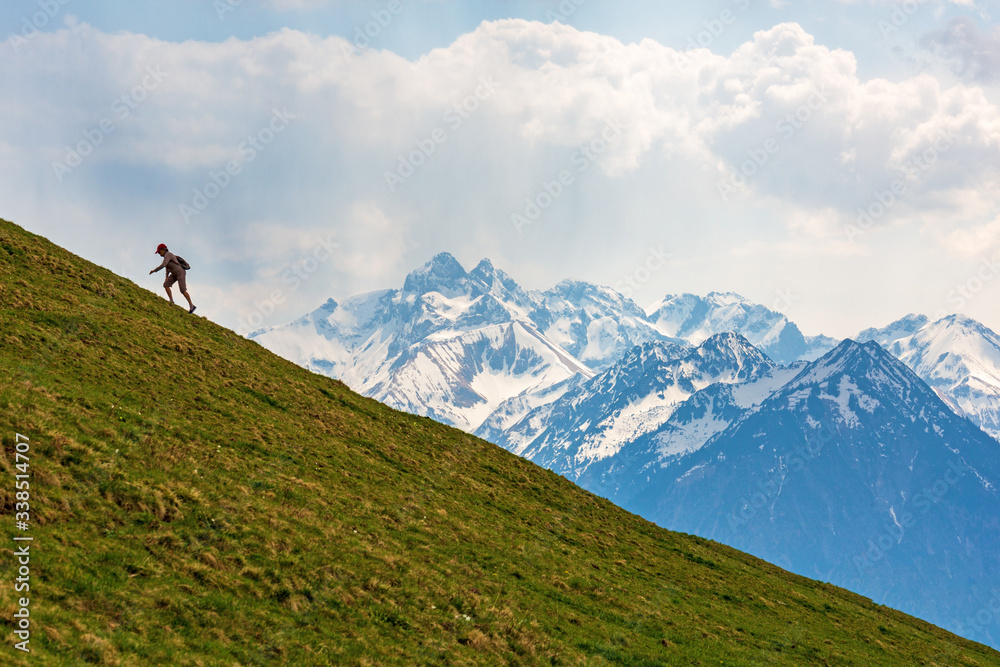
450,345
957,356
462,379
695,318
854,472
597,325
474,349
841,464
634,397
960,359
690,427
901,328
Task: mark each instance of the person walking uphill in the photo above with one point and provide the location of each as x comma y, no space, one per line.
176,273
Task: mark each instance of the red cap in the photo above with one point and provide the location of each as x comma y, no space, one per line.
162,246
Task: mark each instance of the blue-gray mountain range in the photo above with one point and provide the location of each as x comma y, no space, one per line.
870,463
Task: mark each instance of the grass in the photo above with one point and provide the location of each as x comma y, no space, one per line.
197,500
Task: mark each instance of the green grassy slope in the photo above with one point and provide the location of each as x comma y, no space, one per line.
197,500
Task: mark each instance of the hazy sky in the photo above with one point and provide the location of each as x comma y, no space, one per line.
837,161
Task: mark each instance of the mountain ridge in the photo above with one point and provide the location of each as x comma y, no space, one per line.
594,325
870,423
858,396
636,395
957,356
189,479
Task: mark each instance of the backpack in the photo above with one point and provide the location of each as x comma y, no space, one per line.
183,263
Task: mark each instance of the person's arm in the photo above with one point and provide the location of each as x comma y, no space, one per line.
161,266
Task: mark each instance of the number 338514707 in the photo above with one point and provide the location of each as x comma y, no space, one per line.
21,495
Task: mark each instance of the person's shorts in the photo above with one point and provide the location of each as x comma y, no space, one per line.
179,278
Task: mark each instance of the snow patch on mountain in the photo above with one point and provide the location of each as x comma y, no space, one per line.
749,394
514,409
712,410
688,436
464,378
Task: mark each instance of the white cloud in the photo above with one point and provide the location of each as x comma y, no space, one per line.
976,240
967,50
812,141
373,242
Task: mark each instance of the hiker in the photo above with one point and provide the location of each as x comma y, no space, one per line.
175,274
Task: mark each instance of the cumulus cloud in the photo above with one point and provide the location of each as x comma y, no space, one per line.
634,144
970,52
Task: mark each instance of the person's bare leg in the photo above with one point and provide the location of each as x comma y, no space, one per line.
169,295
188,297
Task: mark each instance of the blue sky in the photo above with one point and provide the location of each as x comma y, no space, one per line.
837,161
